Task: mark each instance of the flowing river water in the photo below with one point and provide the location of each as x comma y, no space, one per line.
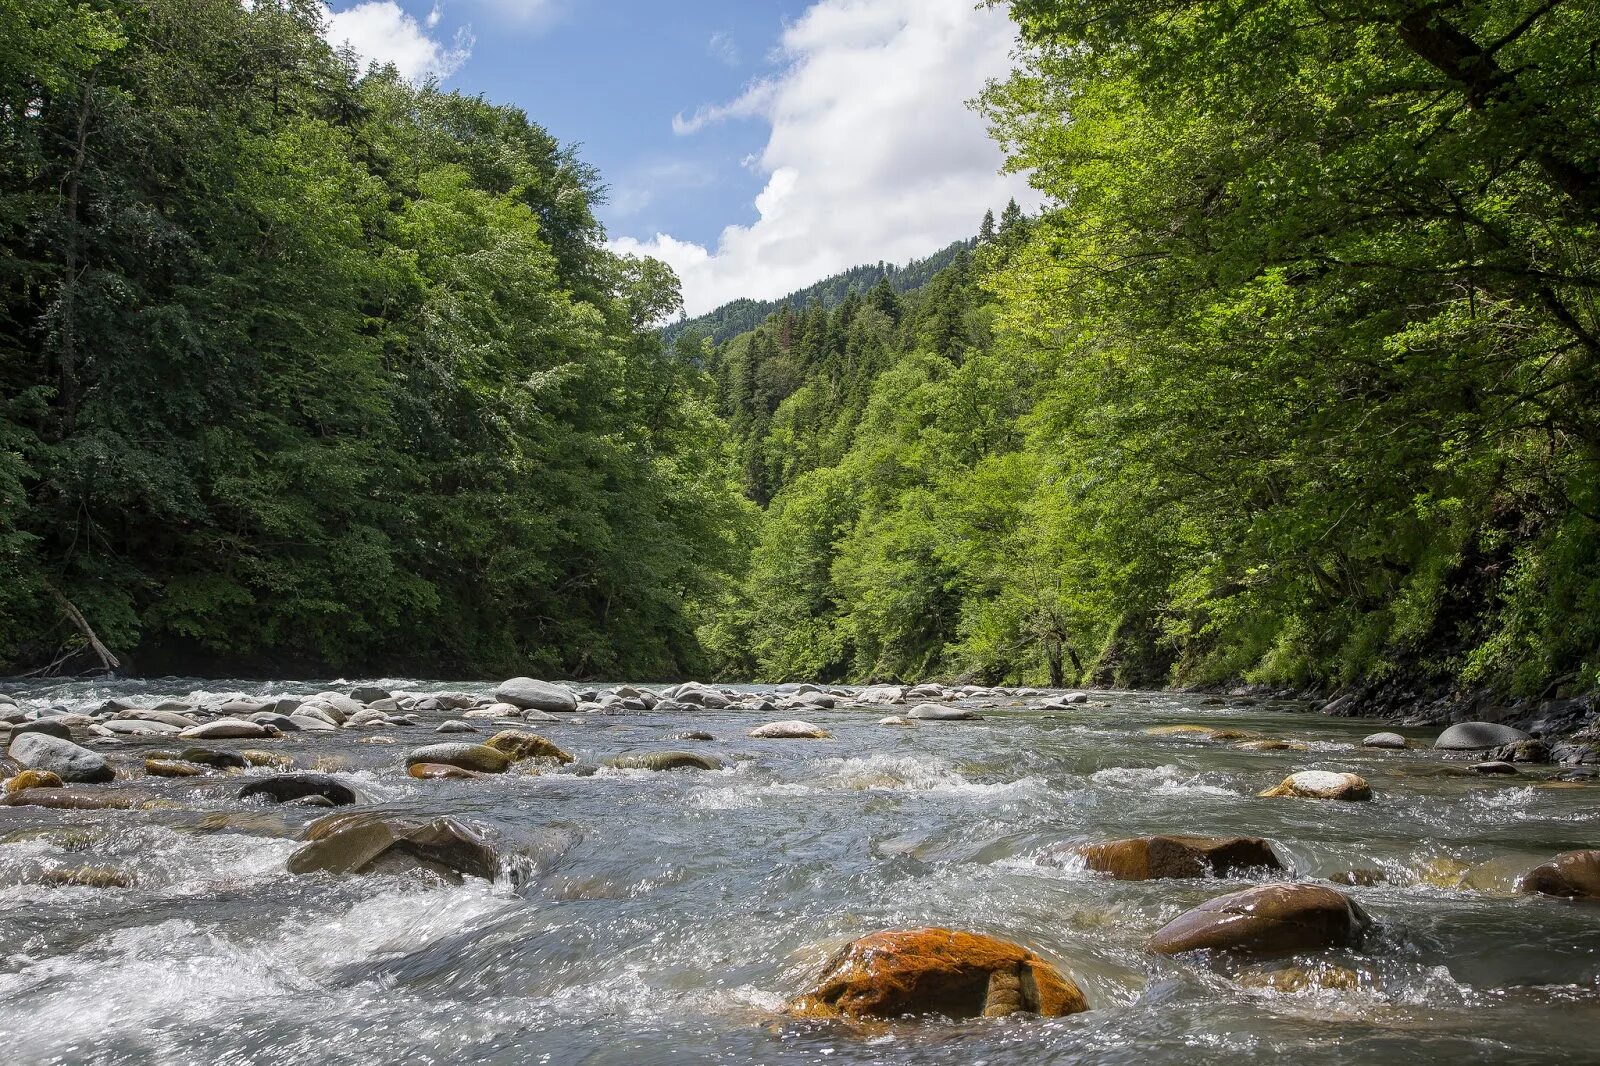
690,905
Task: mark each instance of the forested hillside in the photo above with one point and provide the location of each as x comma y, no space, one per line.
740,316
302,369
1297,381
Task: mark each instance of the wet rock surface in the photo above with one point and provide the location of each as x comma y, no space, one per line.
1277,919
600,912
937,971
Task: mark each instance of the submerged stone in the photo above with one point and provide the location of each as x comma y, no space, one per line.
479,757
664,760
287,788
937,971
1276,919
1156,857
1572,874
517,745
794,729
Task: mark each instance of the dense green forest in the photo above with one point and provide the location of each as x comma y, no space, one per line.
302,369
1296,380
741,316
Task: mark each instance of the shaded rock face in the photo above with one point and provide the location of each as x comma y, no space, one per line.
68,761
287,788
479,757
937,971
664,760
1478,736
526,692
1322,784
1154,857
1276,919
518,745
1572,874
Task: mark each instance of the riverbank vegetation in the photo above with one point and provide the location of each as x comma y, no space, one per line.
305,370
1295,382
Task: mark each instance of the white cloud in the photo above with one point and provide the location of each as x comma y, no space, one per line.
380,31
873,153
723,48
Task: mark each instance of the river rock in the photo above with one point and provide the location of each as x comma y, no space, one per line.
694,734
227,729
937,971
895,719
135,728
456,726
310,724
1156,857
882,695
526,692
435,771
1476,736
664,760
517,745
171,718
793,729
477,757
286,788
934,712
369,694
49,727
351,844
1572,874
33,779
1529,751
1384,740
1322,784
1495,767
172,768
217,758
81,799
1276,919
321,711
68,761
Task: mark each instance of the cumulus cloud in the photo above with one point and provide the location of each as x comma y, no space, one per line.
872,155
380,31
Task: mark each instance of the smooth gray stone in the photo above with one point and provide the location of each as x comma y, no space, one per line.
934,712
47,726
527,692
1384,740
1476,736
369,693
68,761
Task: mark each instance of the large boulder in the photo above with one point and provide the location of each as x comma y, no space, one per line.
479,757
68,761
1322,784
937,971
935,712
1573,874
517,745
1478,736
369,694
1275,919
1154,857
793,729
526,692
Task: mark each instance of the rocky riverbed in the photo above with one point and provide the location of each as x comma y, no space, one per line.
528,871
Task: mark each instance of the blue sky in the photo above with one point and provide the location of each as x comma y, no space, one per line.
755,145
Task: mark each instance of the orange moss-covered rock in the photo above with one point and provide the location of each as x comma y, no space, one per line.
937,971
1154,857
33,779
437,771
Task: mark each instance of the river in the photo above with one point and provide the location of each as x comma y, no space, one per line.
691,905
